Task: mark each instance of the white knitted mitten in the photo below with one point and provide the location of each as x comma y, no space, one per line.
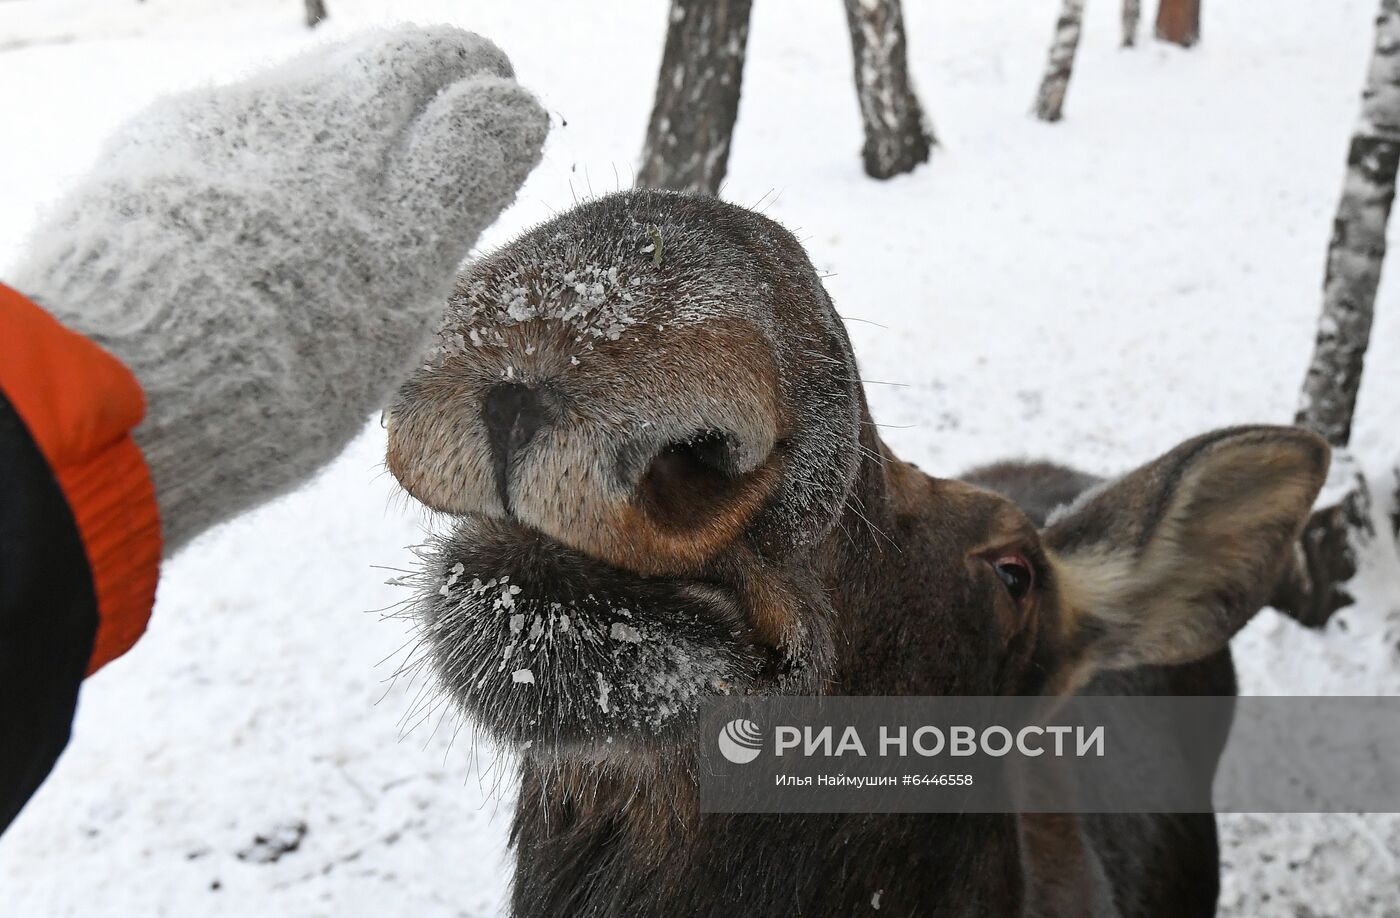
270,258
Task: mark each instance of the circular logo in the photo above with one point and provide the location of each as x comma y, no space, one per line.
740,741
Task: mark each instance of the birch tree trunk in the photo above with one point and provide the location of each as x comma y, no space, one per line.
897,135
1050,101
1395,503
1357,247
697,96
1179,21
1132,14
1342,523
315,13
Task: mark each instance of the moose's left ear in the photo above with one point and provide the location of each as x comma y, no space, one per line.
1165,564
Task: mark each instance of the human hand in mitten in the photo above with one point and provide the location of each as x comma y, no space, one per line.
270,258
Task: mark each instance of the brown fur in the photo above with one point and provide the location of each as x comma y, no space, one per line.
791,553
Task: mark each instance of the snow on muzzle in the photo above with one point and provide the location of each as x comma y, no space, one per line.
560,653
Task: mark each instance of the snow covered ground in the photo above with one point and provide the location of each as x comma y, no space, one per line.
1092,291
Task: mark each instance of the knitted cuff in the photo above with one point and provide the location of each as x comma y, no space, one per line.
80,404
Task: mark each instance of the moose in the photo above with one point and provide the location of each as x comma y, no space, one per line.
645,422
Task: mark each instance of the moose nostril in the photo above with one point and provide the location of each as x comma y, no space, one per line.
690,477
709,450
512,412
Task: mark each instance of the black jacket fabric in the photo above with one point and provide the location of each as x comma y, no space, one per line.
48,616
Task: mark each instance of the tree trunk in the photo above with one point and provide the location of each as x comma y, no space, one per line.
1179,21
697,96
1050,101
1395,503
1342,523
897,136
1132,14
315,13
1358,243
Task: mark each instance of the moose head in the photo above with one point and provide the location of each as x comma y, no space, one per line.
646,421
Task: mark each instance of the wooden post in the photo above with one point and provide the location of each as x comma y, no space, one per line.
1179,21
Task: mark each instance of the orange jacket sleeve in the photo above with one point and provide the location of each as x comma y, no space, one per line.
80,405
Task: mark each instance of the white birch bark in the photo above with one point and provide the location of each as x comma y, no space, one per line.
1341,523
897,135
1050,101
1357,246
1132,15
697,96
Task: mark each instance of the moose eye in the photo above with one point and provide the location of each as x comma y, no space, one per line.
1016,572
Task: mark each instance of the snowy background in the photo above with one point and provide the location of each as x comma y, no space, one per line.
1092,291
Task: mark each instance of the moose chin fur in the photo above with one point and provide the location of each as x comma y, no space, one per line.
609,660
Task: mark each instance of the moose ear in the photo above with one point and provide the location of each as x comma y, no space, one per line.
1165,564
